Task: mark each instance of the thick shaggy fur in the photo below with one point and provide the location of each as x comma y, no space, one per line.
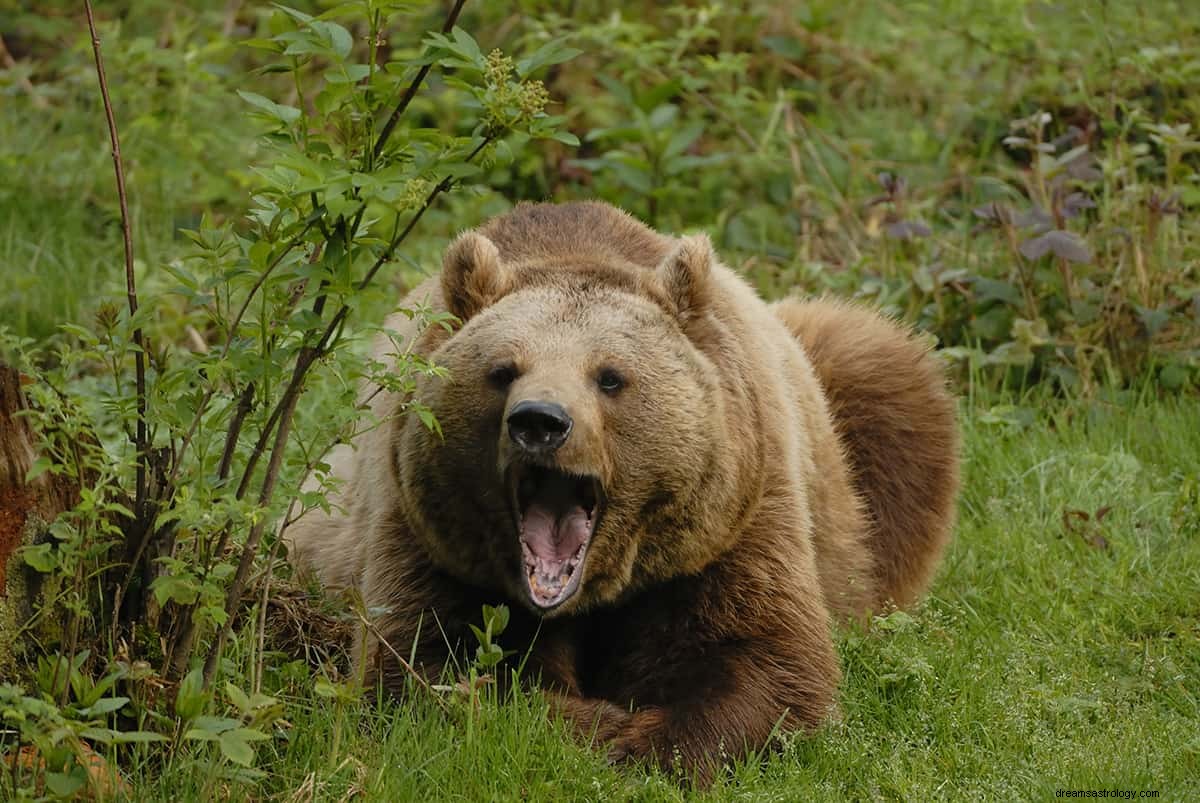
769,471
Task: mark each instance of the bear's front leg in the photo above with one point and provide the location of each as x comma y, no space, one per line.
691,685
696,736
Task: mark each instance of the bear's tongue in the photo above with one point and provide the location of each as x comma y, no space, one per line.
554,534
555,527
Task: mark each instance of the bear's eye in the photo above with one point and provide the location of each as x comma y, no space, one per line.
610,381
502,376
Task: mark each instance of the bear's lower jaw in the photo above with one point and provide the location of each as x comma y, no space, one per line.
550,583
556,515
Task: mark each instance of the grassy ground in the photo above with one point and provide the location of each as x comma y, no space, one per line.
1047,656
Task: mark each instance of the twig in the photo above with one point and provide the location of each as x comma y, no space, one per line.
421,681
233,598
411,91
327,336
256,685
140,441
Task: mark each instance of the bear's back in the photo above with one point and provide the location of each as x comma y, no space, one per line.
533,232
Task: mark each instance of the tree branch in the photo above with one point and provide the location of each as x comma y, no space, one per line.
281,416
411,91
140,440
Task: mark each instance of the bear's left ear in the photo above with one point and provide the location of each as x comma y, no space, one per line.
684,276
472,275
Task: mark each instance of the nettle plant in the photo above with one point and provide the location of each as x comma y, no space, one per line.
186,454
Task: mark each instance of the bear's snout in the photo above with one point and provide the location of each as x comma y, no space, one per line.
539,427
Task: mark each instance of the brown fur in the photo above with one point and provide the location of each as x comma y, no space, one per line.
768,474
885,392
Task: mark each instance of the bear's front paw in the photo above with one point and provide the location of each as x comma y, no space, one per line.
595,721
637,738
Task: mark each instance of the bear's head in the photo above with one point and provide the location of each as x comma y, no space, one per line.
584,435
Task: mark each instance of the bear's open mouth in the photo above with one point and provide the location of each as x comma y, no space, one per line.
556,515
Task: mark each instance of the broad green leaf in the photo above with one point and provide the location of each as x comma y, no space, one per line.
237,697
65,785
285,114
191,698
40,557
235,748
37,469
550,53
104,706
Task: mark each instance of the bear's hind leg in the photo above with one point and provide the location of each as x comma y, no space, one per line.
896,420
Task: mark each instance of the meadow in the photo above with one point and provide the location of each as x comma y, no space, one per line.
1017,179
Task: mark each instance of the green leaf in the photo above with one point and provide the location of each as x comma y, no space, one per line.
176,588
285,114
427,418
467,47
238,697
40,557
682,139
191,698
65,785
347,74
553,52
138,737
37,469
235,748
500,621
104,706
300,16
566,138
340,40
207,728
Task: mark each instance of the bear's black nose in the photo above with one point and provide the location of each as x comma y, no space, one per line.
538,426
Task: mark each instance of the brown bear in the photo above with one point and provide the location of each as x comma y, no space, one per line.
675,486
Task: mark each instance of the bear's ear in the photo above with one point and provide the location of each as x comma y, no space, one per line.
684,276
472,275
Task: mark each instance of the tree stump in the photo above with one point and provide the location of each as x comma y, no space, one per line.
26,509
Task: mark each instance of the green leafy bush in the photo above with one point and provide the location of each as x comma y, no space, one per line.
178,419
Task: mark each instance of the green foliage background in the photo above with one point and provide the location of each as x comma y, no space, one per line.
767,124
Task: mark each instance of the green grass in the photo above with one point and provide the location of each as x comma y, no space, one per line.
1039,661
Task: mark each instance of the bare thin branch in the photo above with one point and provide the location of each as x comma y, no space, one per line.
409,668
411,91
141,443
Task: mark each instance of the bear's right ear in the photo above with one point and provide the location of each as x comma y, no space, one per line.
684,276
472,275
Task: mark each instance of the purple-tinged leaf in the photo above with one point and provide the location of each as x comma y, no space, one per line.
1075,203
1063,244
994,212
1035,219
907,230
892,184
1162,204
